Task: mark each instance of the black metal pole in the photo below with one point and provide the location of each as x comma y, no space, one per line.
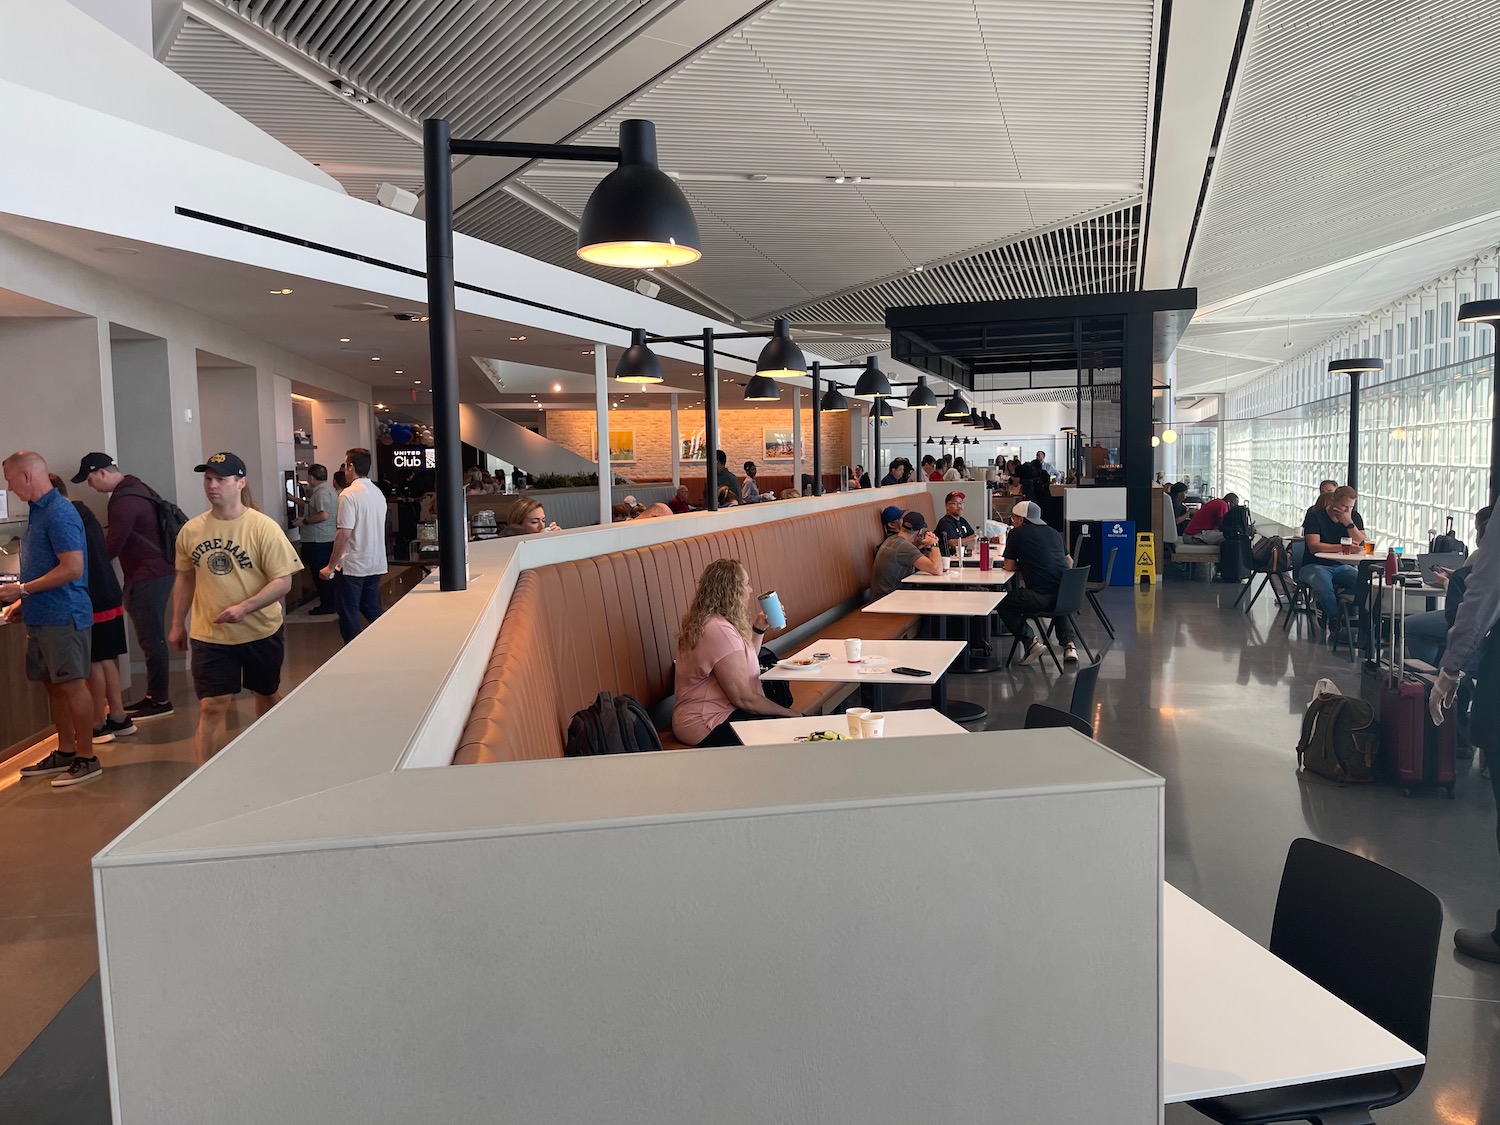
1353,481
710,424
817,405
875,445
917,460
442,340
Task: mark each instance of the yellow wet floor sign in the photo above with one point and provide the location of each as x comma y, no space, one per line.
1145,557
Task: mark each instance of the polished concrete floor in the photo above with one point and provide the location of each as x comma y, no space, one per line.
1192,688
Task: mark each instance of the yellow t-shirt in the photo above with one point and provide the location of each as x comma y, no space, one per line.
233,560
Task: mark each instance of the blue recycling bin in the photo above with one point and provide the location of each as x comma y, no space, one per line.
1119,537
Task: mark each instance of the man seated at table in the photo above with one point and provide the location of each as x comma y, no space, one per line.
1323,531
1179,507
928,466
680,503
953,529
911,549
890,521
1037,551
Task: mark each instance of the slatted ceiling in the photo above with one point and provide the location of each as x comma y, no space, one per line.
475,62
1379,120
316,125
1095,256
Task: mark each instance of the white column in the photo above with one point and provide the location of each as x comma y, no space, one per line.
796,437
676,448
601,423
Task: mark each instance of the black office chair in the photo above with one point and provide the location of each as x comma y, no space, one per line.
1068,602
1267,572
1082,704
1370,937
1092,589
1041,717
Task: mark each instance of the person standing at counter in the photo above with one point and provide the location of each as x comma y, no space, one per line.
134,536
358,554
52,599
318,527
234,565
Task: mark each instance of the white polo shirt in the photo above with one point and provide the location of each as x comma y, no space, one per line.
362,514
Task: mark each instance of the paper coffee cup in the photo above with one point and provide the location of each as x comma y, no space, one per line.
872,725
852,649
854,715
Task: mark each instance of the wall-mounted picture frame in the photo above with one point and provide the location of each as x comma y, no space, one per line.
692,451
621,447
778,444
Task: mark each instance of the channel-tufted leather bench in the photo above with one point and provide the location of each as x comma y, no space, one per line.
609,623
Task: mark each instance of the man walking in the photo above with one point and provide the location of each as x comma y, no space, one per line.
234,565
358,555
52,599
134,537
318,526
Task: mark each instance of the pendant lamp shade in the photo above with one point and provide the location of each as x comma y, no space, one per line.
955,410
638,363
833,400
931,441
1355,366
872,382
1478,312
637,217
762,389
781,358
991,422
883,410
922,398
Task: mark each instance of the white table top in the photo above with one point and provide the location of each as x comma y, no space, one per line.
1339,556
898,724
965,576
932,656
959,603
1237,1018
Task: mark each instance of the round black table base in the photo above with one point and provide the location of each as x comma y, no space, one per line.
977,666
962,711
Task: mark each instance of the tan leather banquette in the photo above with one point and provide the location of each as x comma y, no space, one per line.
610,623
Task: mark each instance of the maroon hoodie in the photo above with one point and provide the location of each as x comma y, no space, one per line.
134,536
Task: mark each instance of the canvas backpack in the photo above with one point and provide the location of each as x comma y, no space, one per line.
611,725
1338,738
170,519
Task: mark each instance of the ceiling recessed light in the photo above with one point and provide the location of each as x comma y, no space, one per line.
400,372
278,292
374,359
343,339
417,382
117,249
556,387
518,337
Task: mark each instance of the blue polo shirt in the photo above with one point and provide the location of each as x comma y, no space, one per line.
54,527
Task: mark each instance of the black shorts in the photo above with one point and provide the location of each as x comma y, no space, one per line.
224,669
107,640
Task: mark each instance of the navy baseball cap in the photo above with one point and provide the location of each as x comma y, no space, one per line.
914,521
890,514
91,463
222,465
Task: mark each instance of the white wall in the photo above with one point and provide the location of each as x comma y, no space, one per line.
338,426
129,19
143,409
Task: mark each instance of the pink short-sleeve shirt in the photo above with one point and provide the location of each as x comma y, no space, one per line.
701,702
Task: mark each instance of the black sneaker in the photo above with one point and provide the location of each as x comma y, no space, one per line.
83,769
52,763
111,729
149,708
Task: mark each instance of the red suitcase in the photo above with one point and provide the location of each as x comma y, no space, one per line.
1416,751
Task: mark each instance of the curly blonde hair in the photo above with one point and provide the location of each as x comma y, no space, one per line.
720,593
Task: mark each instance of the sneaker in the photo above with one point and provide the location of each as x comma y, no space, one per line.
111,729
320,612
1033,650
52,763
83,769
1070,654
149,708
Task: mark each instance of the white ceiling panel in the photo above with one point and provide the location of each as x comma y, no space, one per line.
1356,124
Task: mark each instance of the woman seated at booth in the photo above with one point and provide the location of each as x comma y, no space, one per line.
718,664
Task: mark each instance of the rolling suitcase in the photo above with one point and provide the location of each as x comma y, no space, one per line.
1417,753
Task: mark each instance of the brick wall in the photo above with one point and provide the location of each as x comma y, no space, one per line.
741,436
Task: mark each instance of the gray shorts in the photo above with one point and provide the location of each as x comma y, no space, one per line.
56,653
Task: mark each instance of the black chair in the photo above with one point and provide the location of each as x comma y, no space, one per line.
1301,600
1082,704
1068,602
1092,589
1041,717
1370,937
1266,572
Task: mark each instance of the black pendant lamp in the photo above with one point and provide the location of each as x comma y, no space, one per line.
991,422
922,398
833,400
872,382
975,420
931,440
955,409
760,388
637,217
638,363
883,410
781,358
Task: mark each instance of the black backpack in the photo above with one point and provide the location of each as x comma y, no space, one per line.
169,519
1447,543
611,725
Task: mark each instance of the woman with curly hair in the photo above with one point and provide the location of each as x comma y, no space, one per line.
718,669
